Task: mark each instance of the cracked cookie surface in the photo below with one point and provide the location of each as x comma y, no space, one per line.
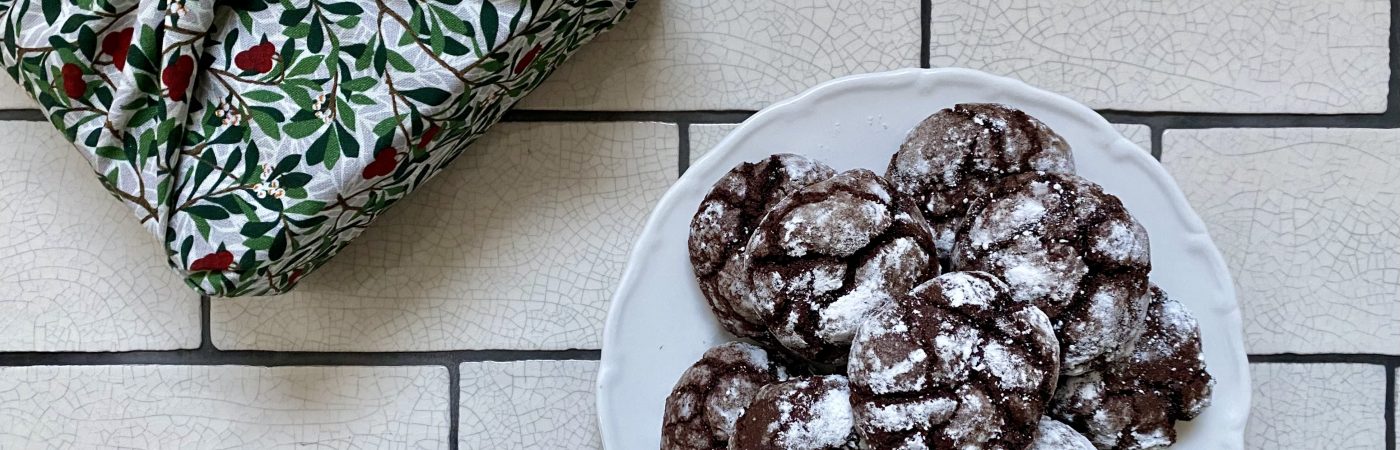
955,365
721,228
1064,245
713,393
832,252
955,155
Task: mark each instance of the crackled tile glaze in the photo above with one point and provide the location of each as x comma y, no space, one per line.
76,273
189,407
1306,219
1314,406
705,136
699,54
518,245
1194,55
528,404
1301,56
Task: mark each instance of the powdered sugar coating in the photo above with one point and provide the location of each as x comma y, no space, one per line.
1055,435
955,155
953,364
809,413
721,229
838,226
712,394
1069,248
905,416
1135,403
830,253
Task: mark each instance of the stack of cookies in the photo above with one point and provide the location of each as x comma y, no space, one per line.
977,295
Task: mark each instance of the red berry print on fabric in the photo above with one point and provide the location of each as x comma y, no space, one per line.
177,77
257,58
213,262
384,163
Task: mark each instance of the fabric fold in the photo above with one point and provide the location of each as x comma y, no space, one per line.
255,139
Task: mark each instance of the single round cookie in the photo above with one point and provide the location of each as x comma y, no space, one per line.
1062,244
956,364
829,253
1135,403
721,228
957,154
1056,435
713,393
808,413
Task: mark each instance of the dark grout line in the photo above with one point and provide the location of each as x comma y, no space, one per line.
1390,361
1390,408
454,406
27,115
684,147
1166,120
1392,98
206,333
538,115
1156,142
925,33
268,358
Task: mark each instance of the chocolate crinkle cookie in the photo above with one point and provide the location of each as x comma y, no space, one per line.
1062,244
808,413
1056,435
957,154
1135,403
713,393
831,252
954,365
721,228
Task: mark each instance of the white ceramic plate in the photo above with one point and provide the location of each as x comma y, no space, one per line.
659,323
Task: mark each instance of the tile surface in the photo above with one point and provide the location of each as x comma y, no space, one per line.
77,273
1302,56
705,136
529,404
189,407
1315,406
1306,219
517,246
12,96
702,54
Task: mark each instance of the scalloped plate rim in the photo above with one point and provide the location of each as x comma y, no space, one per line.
1118,148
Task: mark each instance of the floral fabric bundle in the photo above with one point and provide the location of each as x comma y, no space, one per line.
256,138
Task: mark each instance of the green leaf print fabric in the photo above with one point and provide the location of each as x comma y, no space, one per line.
256,138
